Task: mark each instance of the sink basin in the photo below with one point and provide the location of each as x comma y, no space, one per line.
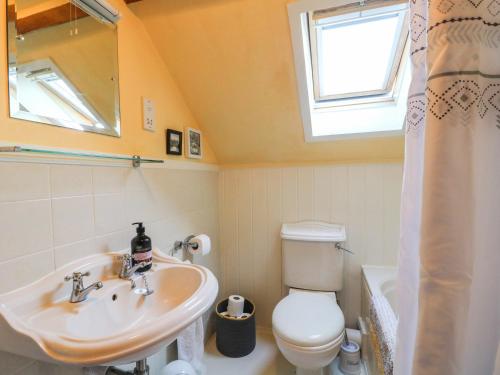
116,324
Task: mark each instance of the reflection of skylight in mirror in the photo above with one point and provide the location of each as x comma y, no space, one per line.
356,56
59,86
46,92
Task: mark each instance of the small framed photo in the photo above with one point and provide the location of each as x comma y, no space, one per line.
174,142
193,143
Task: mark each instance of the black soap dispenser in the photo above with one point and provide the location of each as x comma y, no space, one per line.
142,251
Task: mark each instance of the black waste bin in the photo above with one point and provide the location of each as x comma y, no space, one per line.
235,337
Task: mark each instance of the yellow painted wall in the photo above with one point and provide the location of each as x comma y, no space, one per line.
233,61
142,73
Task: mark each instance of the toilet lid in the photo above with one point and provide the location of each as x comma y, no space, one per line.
308,319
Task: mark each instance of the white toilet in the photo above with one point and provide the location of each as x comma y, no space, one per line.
308,324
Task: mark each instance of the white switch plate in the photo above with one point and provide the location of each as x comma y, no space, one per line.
148,110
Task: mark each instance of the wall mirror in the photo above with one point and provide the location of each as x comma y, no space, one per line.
63,64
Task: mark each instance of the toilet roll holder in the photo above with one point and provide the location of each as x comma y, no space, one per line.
186,244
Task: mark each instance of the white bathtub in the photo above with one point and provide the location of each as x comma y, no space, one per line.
376,280
381,280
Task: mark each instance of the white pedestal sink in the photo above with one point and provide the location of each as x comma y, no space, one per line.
115,325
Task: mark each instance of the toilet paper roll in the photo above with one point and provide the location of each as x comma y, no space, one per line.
200,245
235,306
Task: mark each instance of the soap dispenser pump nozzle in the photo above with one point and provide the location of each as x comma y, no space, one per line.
140,228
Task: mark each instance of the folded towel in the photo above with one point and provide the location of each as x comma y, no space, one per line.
384,324
190,346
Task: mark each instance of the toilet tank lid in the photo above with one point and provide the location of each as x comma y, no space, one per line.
313,231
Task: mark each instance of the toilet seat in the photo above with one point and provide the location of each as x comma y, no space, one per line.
306,319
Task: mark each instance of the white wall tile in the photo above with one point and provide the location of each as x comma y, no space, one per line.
110,213
141,206
24,270
73,219
68,253
26,228
116,241
109,179
161,234
23,181
70,180
135,179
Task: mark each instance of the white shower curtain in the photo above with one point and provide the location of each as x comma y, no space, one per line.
449,265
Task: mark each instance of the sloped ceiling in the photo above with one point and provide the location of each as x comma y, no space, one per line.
233,62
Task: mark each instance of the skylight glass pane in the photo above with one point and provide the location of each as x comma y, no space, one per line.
357,57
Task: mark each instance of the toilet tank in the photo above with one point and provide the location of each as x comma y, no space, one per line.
310,259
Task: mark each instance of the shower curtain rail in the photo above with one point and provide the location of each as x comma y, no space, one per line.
135,159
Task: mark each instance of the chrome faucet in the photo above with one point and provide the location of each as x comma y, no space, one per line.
128,270
79,293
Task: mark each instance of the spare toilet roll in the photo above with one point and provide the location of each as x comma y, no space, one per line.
200,245
235,306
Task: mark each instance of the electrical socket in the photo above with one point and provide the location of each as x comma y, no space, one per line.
148,110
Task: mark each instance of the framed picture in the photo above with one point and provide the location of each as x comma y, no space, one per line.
193,143
174,142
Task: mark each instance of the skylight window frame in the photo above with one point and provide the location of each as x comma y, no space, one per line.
345,16
353,118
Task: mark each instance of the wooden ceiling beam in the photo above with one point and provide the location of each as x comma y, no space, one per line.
11,13
50,17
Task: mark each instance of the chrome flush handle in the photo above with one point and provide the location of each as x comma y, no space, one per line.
338,246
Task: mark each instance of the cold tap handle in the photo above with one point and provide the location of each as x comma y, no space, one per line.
76,276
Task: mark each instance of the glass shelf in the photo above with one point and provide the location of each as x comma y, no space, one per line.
135,159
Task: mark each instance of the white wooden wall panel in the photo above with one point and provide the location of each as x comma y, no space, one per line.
290,198
322,193
305,188
273,266
255,202
259,252
245,249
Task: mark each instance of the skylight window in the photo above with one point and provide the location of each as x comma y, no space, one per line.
356,56
351,65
